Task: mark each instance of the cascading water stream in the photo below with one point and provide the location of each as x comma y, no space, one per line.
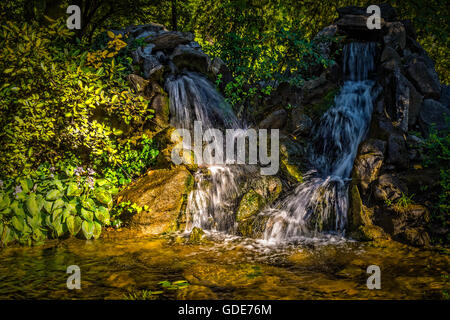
320,203
210,205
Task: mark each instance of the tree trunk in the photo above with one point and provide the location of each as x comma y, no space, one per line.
174,15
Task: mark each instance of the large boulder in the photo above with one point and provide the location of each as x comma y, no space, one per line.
389,188
164,192
445,96
368,163
144,29
395,35
360,222
300,123
390,59
424,78
292,156
170,40
141,53
323,40
388,13
405,224
275,120
397,153
261,192
433,113
402,100
159,100
152,68
187,57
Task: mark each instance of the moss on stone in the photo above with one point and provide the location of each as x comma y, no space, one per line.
251,203
197,235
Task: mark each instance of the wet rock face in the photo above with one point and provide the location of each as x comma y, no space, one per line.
425,79
368,163
397,153
433,113
261,192
276,120
405,224
395,35
159,100
389,188
164,192
187,57
300,124
411,99
169,40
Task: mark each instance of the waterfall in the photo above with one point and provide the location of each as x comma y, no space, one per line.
211,204
320,203
194,98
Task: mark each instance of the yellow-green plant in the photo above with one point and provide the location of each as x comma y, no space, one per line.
52,99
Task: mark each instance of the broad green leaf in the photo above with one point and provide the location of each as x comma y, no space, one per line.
102,196
48,206
87,215
88,229
89,204
6,236
56,213
73,190
58,227
17,223
32,205
53,194
73,224
102,215
97,230
4,202
59,203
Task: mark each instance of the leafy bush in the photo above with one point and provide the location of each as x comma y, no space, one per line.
437,154
133,157
267,59
54,202
56,97
65,108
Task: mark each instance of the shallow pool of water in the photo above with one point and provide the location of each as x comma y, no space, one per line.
223,268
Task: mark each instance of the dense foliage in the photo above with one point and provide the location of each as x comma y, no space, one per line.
73,130
437,154
66,107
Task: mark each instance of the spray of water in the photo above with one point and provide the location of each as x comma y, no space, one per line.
320,204
211,204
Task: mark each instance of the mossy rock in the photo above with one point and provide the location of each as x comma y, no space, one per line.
253,227
197,235
360,220
318,107
291,171
292,156
251,203
164,191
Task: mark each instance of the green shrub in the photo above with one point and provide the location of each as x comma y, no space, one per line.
436,154
55,97
53,203
63,108
274,56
